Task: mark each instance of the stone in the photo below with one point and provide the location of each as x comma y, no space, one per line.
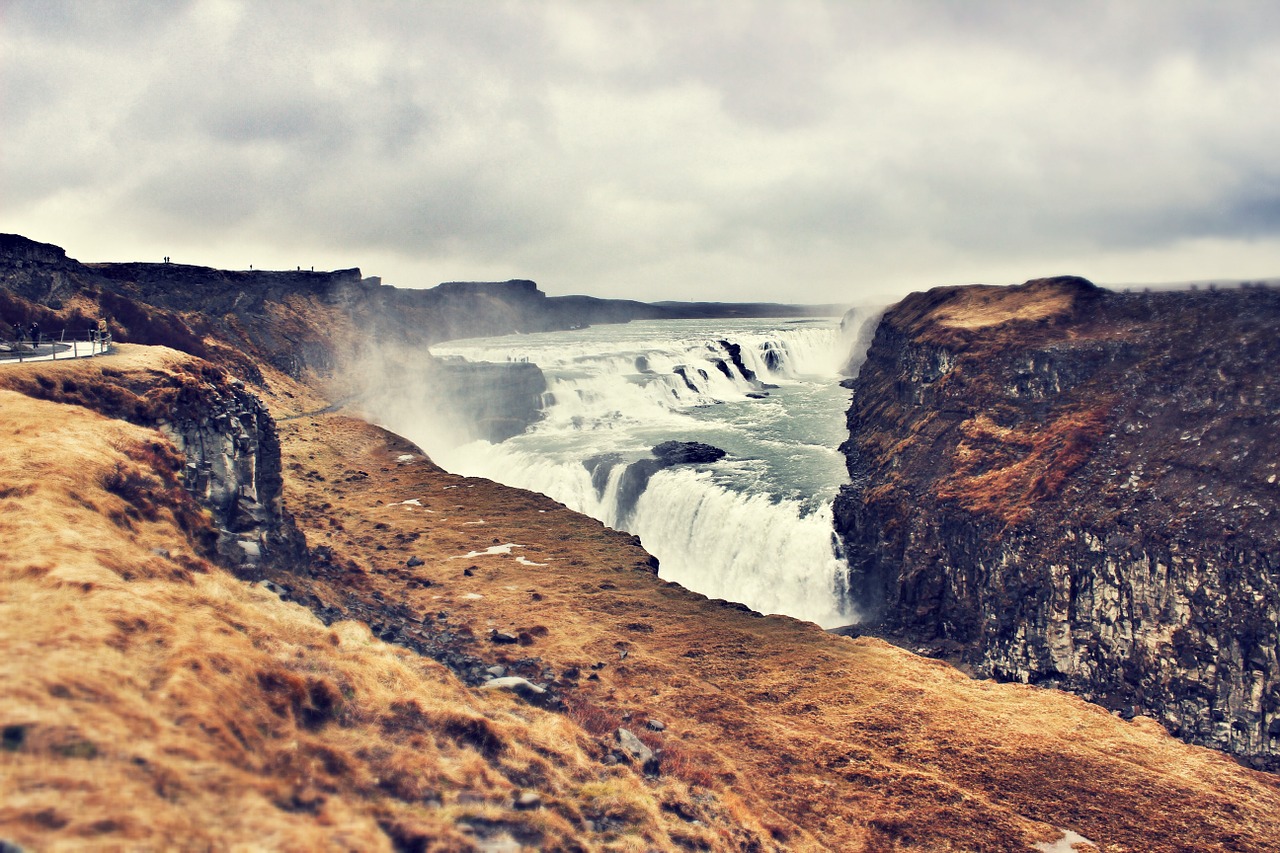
413,562
656,725
520,686
272,587
633,747
502,637
527,801
496,671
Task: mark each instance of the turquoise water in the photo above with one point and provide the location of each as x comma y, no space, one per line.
754,527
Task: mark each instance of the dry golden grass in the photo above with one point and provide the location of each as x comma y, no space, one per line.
154,701
1006,472
977,307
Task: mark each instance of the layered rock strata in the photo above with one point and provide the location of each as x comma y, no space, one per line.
1071,487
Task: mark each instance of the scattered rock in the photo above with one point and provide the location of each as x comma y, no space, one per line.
522,687
497,671
413,562
502,637
528,800
272,587
657,725
633,747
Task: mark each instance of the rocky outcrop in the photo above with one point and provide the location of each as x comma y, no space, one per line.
233,469
492,401
230,450
1065,486
636,476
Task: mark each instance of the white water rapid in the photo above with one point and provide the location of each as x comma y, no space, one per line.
755,526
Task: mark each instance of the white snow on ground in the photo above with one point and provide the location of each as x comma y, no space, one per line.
494,550
489,552
1066,844
412,502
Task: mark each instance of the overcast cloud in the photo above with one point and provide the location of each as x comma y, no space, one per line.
795,151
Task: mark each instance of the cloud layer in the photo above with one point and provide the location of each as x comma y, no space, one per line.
800,151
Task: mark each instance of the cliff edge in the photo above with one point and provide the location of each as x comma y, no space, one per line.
1067,486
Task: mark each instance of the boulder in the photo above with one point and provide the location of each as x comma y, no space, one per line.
633,747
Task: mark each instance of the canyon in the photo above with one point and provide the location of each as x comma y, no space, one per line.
1060,485
237,613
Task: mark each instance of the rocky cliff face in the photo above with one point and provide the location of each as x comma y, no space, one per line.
1071,487
233,469
231,461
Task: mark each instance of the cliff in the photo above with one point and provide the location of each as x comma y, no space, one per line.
459,665
450,664
1070,487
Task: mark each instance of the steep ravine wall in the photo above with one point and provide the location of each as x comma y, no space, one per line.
233,468
1070,487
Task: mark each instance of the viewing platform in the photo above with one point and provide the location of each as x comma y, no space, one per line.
54,349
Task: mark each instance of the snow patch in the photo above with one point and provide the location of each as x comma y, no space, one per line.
1066,844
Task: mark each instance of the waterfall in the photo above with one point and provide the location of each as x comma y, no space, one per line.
753,527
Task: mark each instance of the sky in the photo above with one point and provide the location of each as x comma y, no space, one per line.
742,151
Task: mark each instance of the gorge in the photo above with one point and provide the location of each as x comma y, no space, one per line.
417,659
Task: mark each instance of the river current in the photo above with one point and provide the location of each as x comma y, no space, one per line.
755,526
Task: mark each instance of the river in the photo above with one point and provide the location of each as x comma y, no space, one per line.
753,527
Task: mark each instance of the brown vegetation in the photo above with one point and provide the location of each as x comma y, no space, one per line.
1006,471
153,700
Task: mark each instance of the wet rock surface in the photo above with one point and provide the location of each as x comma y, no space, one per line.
1064,486
665,455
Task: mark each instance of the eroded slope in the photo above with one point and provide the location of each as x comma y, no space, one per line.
158,699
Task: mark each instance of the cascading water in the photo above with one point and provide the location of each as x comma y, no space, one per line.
753,526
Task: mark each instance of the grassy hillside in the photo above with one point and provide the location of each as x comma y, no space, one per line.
154,699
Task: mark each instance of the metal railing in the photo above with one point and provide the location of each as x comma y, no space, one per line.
50,348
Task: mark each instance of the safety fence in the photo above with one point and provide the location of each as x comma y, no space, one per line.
40,347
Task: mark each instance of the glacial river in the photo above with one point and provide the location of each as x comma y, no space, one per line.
753,527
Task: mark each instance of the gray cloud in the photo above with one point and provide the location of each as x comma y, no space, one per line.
721,150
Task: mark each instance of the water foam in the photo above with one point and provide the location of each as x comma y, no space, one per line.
756,526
